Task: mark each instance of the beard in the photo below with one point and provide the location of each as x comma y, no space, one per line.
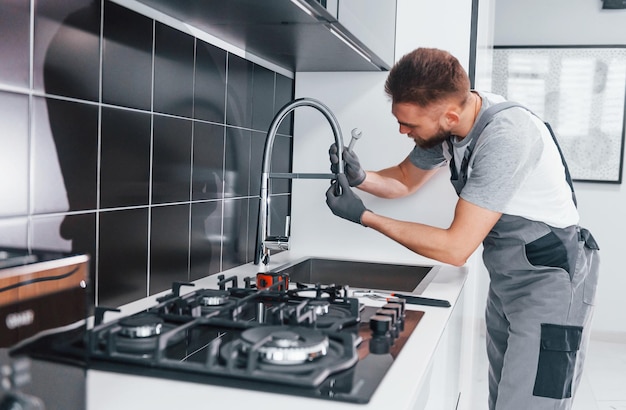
441,136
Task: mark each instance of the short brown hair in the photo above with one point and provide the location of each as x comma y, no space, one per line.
426,76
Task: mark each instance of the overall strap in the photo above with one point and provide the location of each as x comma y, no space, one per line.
567,174
457,178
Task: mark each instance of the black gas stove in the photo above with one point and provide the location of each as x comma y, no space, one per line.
311,341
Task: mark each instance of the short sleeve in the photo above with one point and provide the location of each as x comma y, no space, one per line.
430,158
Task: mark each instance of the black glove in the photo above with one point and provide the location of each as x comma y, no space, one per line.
352,167
343,202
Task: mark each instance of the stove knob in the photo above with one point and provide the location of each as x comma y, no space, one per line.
399,308
380,325
393,314
402,303
380,343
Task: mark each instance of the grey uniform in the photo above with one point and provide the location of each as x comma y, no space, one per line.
543,267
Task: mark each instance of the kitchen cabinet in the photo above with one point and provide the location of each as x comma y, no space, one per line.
442,390
373,23
299,35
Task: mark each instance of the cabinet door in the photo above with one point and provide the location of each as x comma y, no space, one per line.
373,22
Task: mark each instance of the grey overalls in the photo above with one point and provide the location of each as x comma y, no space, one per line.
542,287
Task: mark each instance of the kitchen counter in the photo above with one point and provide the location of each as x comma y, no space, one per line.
403,386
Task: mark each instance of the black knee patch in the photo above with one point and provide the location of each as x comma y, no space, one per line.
557,360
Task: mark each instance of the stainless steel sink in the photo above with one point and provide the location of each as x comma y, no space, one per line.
359,274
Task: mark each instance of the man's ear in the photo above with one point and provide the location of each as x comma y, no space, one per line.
450,119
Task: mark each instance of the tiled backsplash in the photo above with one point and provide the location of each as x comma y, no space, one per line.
139,144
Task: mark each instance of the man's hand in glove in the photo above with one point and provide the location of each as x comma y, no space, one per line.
352,167
345,204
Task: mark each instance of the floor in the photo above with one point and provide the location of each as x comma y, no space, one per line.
604,380
603,386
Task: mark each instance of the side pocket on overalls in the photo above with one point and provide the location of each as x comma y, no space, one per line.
548,251
557,360
591,262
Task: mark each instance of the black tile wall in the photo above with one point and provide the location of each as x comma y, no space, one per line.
206,239
169,246
253,220
210,83
123,256
76,144
171,159
235,234
67,48
262,98
283,95
278,210
239,96
81,230
135,143
281,162
125,158
208,161
173,71
126,58
237,162
257,145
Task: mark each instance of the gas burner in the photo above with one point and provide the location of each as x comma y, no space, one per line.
329,292
285,345
320,307
293,354
330,313
336,316
142,326
213,298
138,335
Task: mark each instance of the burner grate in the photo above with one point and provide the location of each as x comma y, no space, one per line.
310,341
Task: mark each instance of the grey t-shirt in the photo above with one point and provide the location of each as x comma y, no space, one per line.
515,168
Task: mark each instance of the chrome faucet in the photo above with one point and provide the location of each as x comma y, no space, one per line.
264,242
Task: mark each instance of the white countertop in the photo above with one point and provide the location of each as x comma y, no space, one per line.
400,387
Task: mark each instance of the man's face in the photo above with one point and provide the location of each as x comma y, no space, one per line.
423,125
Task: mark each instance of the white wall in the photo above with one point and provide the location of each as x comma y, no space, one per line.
581,22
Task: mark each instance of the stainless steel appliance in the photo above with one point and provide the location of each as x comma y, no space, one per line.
40,292
308,340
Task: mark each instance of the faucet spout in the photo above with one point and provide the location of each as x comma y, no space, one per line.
264,243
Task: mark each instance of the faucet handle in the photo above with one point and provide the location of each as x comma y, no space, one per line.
279,243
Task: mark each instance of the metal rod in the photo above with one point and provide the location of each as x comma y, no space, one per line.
297,175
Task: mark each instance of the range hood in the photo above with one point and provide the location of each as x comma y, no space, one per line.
299,35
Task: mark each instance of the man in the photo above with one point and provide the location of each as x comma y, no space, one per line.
515,198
